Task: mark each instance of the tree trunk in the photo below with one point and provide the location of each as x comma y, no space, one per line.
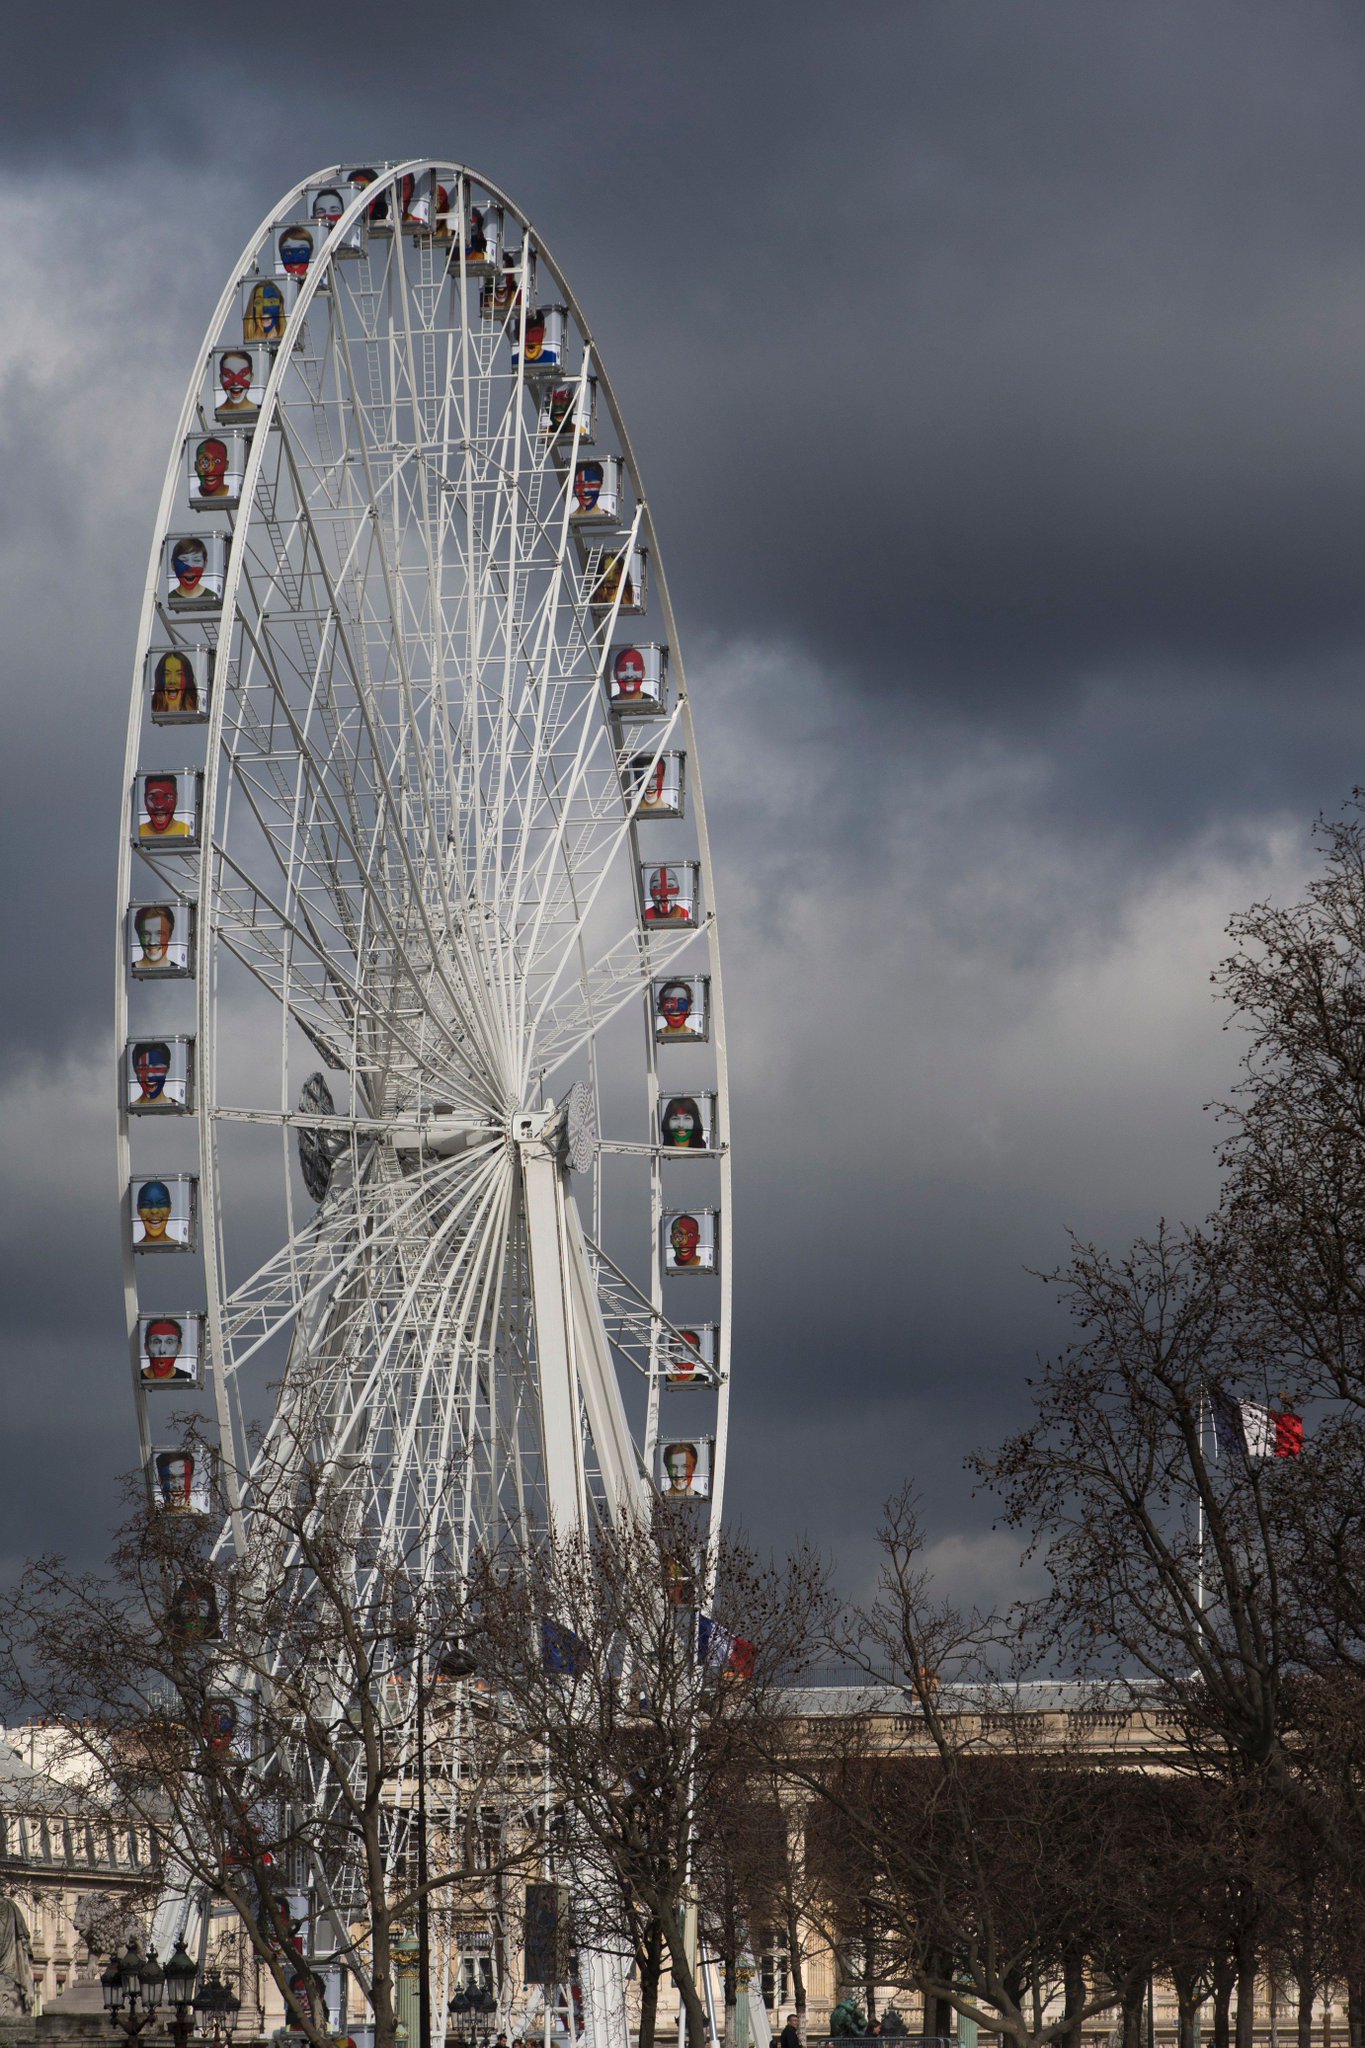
651,1969
1355,2011
682,1977
1073,1988
1246,1992
731,1996
798,1973
1131,2010
1187,2003
1303,1982
1224,1981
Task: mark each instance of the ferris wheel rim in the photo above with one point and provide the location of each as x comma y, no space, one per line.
388,180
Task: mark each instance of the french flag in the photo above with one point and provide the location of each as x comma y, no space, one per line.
1254,1431
718,1650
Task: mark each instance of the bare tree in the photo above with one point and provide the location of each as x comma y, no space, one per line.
642,1709
970,1852
256,1714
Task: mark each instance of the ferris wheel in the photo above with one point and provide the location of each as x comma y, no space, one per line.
423,1117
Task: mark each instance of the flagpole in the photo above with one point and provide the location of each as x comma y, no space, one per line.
1200,1582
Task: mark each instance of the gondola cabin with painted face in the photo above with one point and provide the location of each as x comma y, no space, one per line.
426,203
615,576
481,238
179,682
501,295
568,408
654,787
672,893
166,807
213,471
691,1242
324,206
163,1212
195,568
687,1123
544,339
595,494
266,305
681,1009
377,217
637,679
685,1468
161,939
296,244
170,1349
238,381
687,1355
179,1479
158,1075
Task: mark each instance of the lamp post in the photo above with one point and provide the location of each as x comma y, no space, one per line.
471,2009
217,2007
180,1990
132,1985
135,1987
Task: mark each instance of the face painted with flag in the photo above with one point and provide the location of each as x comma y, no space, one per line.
718,1650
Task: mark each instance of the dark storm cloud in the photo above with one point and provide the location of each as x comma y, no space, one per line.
998,376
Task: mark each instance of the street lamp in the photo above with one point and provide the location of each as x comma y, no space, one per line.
180,1986
132,1985
217,2006
471,2009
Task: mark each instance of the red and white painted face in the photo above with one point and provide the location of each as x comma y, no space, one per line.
234,374
685,1235
163,1347
158,799
664,886
628,672
682,1363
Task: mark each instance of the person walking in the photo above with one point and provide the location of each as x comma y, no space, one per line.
790,2036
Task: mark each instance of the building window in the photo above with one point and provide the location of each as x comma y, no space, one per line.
774,1970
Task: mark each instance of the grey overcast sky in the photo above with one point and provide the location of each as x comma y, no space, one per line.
998,371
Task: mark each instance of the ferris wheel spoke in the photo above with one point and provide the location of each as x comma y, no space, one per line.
330,992
564,1023
471,994
313,873
448,1364
429,1348
335,1241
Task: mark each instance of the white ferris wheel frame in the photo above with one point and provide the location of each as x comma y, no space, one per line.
563,1317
